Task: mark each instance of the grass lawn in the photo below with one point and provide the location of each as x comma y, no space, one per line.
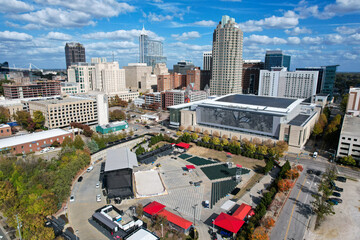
250,163
252,181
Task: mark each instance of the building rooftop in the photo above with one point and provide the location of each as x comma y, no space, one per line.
299,120
114,124
351,126
63,100
4,125
120,158
257,100
142,234
31,138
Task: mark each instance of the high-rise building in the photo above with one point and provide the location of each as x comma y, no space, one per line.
326,78
138,77
183,66
31,90
281,83
74,53
83,74
193,78
151,51
4,68
276,58
207,60
251,75
227,58
353,104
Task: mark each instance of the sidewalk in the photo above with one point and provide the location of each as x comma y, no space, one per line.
253,197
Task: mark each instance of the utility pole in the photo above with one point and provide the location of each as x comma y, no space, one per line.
18,226
162,230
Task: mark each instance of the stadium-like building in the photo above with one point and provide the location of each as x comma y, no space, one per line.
250,116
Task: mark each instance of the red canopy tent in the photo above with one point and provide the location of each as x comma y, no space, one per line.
190,167
238,166
242,211
175,219
229,223
183,145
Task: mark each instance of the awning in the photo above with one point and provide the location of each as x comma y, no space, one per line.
229,223
183,145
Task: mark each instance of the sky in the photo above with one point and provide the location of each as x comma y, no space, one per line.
313,32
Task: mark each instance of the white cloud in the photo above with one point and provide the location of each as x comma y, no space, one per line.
350,56
121,34
297,30
205,23
265,40
50,17
58,36
14,6
354,38
186,35
288,20
111,45
334,39
153,17
311,40
193,47
96,8
14,36
173,8
294,40
341,7
346,30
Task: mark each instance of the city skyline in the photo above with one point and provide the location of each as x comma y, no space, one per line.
313,33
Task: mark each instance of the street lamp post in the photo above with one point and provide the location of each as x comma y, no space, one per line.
213,220
162,230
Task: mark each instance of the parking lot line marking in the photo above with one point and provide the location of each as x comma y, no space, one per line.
292,212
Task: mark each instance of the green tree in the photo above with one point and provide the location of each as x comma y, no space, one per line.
215,141
22,117
4,115
140,150
67,142
343,103
78,142
39,119
117,115
224,142
194,136
269,165
348,160
327,112
205,138
318,129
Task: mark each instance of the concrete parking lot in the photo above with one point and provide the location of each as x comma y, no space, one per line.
345,223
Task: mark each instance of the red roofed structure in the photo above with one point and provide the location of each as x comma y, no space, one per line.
229,223
153,208
242,211
175,219
190,167
183,145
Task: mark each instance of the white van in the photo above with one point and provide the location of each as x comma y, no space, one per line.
315,154
90,169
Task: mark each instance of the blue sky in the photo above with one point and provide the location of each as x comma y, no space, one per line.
314,33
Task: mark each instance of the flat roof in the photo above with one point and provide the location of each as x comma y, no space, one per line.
120,158
257,100
299,120
351,126
104,220
113,124
64,100
142,234
31,138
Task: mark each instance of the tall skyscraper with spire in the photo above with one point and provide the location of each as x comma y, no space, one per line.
227,58
151,51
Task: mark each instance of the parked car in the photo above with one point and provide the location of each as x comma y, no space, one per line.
332,184
163,129
98,198
339,200
336,194
72,198
341,179
80,178
52,148
315,154
98,185
148,127
318,173
338,189
310,171
90,169
332,201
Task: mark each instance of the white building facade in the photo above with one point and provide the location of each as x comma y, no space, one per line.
282,83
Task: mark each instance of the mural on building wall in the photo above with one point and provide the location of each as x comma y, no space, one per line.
235,118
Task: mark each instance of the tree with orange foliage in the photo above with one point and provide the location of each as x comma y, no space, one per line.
259,234
284,185
299,168
292,174
269,222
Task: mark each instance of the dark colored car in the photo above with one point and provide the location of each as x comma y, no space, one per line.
309,171
339,200
148,127
80,178
318,173
332,201
332,184
338,189
341,179
163,129
336,194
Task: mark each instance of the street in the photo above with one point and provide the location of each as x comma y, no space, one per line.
294,218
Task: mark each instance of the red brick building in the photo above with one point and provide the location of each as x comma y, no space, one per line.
5,130
251,75
193,77
37,89
33,142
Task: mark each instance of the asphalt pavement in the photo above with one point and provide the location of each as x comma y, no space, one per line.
294,218
3,236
